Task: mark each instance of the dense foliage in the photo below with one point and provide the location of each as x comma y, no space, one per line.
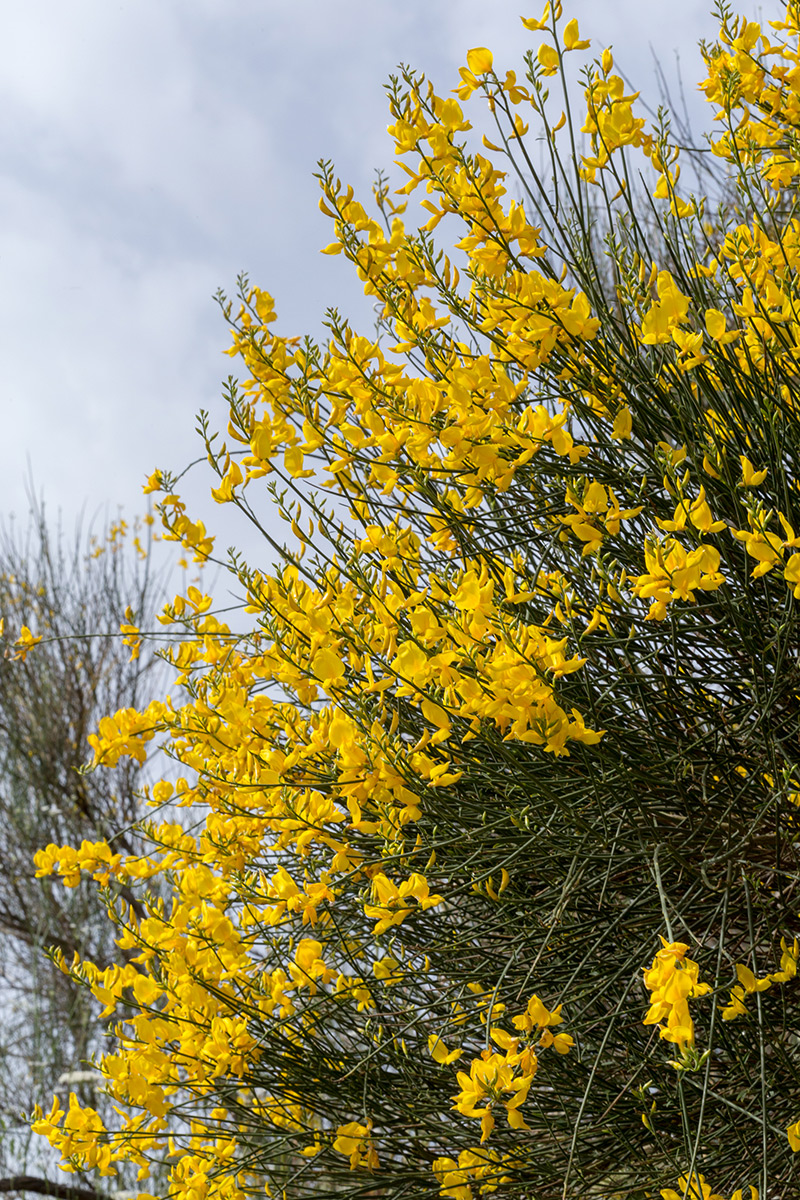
515,713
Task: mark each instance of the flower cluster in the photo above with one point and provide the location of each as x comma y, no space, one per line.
749,984
673,981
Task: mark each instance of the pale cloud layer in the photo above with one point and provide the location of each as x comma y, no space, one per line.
152,149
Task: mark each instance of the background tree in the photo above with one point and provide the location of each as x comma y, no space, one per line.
74,595
492,885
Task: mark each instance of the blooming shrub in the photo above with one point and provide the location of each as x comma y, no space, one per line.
520,695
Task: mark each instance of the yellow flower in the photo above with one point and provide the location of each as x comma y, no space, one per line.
532,23
735,1006
572,38
490,1077
392,902
696,1189
439,1052
479,60
537,1016
25,642
749,981
131,632
716,327
750,476
670,309
328,667
354,1142
788,967
793,1134
548,58
672,981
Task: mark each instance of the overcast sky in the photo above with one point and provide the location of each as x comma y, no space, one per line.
152,149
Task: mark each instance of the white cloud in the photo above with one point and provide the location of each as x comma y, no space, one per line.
151,150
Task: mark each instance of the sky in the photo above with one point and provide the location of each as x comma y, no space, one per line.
150,150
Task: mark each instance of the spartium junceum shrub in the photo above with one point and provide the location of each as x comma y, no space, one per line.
483,848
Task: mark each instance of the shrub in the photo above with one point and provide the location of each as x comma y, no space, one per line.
514,714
